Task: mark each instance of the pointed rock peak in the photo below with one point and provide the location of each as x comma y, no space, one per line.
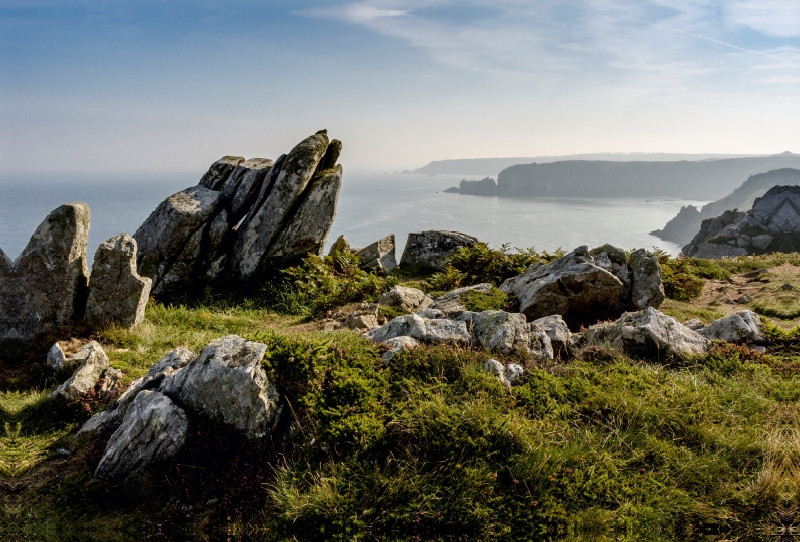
331,155
322,132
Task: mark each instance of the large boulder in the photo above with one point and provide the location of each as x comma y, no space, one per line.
154,429
379,256
228,384
93,374
572,286
117,294
451,303
498,331
741,327
46,286
429,250
647,334
268,217
405,299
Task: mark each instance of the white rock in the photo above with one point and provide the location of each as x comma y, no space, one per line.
558,333
406,299
497,369
397,345
92,368
741,327
514,372
498,331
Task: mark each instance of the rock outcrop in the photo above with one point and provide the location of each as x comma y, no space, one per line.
379,256
429,250
46,286
342,244
117,294
245,218
772,225
153,430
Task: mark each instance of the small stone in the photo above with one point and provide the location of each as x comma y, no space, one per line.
787,287
514,372
497,369
397,345
56,359
744,299
92,369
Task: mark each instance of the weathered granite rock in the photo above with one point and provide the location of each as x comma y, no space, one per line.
46,285
741,327
421,329
88,376
572,286
307,230
219,172
56,359
406,299
646,287
498,331
342,245
268,217
497,369
514,371
117,294
173,234
227,383
240,190
539,344
450,303
648,334
428,250
558,333
361,320
379,256
694,324
154,429
615,261
397,345
430,313
772,225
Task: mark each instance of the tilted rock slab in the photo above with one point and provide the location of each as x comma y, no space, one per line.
429,250
646,287
46,285
228,384
648,334
379,256
572,286
117,294
741,327
153,430
92,369
421,329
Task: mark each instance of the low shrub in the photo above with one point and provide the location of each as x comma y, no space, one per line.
494,300
683,277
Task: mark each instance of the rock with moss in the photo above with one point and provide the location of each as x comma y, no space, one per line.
405,299
93,374
429,250
228,384
646,288
46,286
379,256
364,317
341,245
743,327
452,303
265,221
117,294
558,332
498,331
648,334
421,329
219,172
571,286
154,429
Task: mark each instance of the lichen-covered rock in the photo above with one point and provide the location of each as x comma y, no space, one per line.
379,256
421,329
646,287
741,327
497,369
341,245
429,250
56,359
154,429
307,230
539,345
430,313
558,333
397,327
514,371
46,285
397,345
648,334
405,299
498,331
450,303
173,234
228,384
117,294
242,187
93,366
219,172
359,320
268,217
572,286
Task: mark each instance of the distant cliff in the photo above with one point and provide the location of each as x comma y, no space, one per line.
686,223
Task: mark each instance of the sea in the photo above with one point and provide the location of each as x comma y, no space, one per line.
371,206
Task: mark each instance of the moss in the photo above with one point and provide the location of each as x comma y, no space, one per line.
494,300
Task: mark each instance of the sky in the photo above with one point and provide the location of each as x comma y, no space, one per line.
172,85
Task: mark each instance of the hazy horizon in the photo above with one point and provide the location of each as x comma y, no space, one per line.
146,85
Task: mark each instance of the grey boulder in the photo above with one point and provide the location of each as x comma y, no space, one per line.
228,384
648,334
559,334
154,429
397,345
379,256
646,287
117,294
498,331
429,250
405,299
92,374
421,329
451,303
742,327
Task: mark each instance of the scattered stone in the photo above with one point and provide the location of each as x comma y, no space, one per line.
93,367
744,299
729,301
558,333
755,275
342,245
397,345
117,294
379,256
429,250
694,324
497,369
647,334
741,327
450,303
357,320
787,287
227,383
154,429
514,372
406,299
56,359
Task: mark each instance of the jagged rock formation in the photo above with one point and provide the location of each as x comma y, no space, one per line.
683,227
772,225
117,294
244,218
93,373
429,250
484,187
342,244
379,256
46,285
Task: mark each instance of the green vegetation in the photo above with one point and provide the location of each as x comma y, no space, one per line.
683,277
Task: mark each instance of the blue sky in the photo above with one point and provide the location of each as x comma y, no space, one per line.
172,85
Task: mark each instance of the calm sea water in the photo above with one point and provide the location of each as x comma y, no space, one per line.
370,207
